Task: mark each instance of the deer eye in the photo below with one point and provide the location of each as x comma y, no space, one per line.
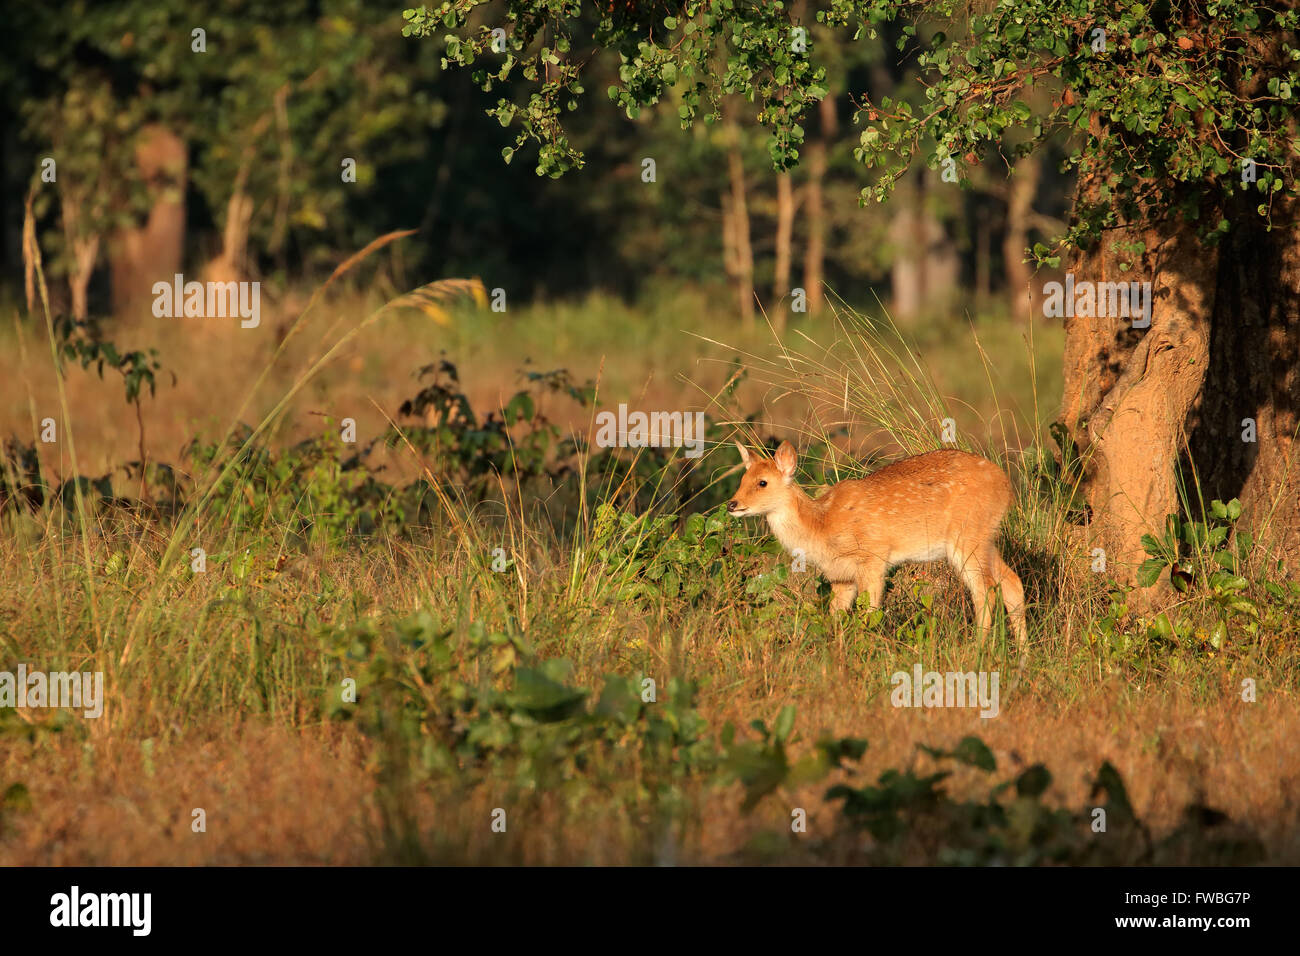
762,483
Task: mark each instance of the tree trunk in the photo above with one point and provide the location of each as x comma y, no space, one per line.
784,232
1020,207
141,256
736,212
83,250
1223,347
906,268
814,261
1138,430
1128,391
728,240
1254,373
925,268
232,264
983,255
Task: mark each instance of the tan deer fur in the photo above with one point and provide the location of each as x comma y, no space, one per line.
943,504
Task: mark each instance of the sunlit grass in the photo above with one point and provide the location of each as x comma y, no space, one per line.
241,654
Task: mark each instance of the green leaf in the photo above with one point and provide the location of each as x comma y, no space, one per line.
971,751
16,797
842,748
784,723
1034,781
1149,571
1108,781
546,699
520,408
976,753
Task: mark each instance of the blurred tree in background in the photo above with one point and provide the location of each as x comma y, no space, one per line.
223,153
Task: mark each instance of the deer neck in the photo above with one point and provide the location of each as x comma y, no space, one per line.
793,523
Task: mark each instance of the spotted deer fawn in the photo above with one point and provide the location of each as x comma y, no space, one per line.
943,504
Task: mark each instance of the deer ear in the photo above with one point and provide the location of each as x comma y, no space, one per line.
745,456
786,459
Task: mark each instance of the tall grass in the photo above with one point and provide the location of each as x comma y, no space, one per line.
190,657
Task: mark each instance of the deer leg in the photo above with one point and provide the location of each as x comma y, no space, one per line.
976,577
1013,598
843,594
871,579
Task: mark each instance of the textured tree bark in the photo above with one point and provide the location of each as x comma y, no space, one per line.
1129,392
1220,365
1096,350
1139,430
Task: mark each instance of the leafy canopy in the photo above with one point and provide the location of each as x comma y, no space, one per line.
1161,103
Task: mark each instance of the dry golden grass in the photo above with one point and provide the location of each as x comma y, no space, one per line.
271,795
275,796
215,681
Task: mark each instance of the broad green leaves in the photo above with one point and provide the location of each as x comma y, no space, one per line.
1153,103
707,50
1224,586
